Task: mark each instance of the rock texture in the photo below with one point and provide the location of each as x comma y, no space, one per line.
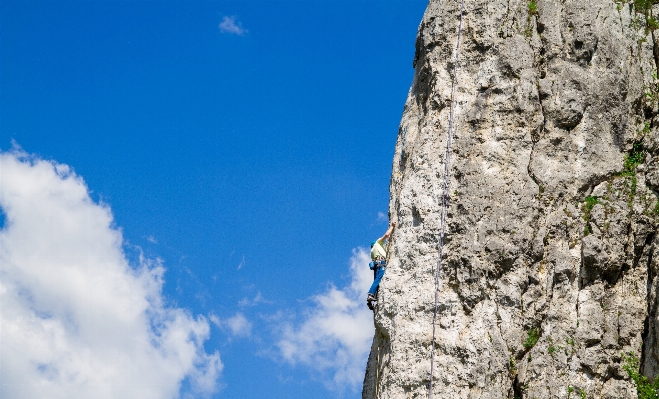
553,216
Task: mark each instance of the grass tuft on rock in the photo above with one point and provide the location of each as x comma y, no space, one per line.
533,8
632,160
644,388
533,335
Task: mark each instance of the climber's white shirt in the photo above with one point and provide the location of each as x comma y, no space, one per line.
379,249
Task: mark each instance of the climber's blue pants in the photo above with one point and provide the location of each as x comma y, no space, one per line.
379,272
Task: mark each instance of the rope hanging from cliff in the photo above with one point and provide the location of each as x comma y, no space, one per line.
445,197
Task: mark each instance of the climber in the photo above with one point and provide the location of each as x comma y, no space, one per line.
378,264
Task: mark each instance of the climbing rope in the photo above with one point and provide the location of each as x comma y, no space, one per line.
377,372
445,197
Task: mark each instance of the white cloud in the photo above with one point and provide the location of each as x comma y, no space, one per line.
77,321
335,337
229,25
242,263
238,325
253,302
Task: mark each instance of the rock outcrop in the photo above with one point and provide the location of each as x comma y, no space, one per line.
550,282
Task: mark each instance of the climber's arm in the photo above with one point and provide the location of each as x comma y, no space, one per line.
386,235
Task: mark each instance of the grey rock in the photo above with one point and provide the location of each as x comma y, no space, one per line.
548,228
595,259
614,389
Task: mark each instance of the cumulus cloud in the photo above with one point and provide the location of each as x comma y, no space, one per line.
238,325
229,25
335,334
77,320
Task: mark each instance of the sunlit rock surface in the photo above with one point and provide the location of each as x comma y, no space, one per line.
553,215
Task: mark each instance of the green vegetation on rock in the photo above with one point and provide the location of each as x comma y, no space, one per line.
533,7
587,207
532,338
644,388
634,158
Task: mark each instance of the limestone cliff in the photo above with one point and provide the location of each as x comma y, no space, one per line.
552,259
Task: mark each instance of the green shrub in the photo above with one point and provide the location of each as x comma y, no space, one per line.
590,202
643,6
533,8
647,125
652,24
632,160
532,338
644,388
551,349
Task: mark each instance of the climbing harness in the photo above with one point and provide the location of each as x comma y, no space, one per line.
445,194
376,263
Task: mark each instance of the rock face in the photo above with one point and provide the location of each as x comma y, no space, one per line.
553,214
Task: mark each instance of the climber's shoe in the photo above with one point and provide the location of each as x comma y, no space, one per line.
371,298
370,305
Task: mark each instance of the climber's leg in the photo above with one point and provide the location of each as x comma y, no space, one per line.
376,283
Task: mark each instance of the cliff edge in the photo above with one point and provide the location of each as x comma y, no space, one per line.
550,280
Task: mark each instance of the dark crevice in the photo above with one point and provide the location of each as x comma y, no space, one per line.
416,217
648,113
652,308
517,389
536,137
540,27
639,252
655,51
655,58
537,257
423,84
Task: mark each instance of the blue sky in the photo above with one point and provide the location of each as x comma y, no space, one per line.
245,145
